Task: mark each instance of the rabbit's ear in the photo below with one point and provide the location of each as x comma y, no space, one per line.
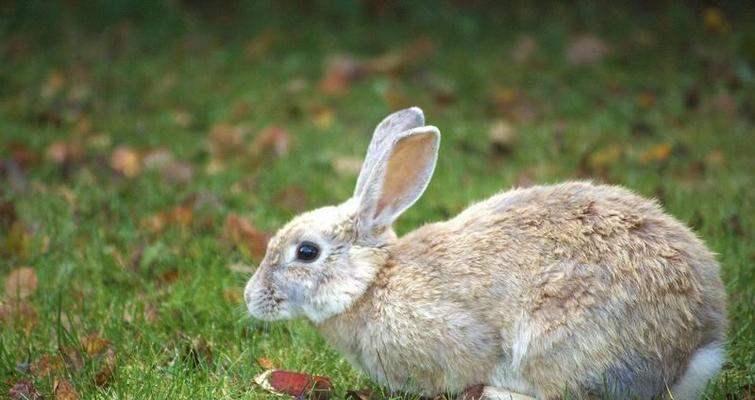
398,178
385,133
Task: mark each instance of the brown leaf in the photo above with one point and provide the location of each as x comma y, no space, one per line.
271,140
104,376
64,390
226,140
242,233
646,99
72,358
604,158
323,117
295,384
181,216
658,152
585,49
62,152
715,20
361,394
232,295
46,365
94,345
54,83
513,105
502,137
340,71
21,283
126,161
19,315
292,198
24,390
265,363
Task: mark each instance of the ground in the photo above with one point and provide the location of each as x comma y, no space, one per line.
148,152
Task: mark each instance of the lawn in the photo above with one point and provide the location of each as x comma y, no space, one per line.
147,151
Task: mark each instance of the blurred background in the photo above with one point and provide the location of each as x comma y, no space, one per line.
148,149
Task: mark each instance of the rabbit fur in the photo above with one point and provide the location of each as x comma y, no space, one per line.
576,288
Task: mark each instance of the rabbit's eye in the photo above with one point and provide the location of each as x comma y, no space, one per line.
307,251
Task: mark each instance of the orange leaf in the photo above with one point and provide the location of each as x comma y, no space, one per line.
273,139
126,161
64,390
265,363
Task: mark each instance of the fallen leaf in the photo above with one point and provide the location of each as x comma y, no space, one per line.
21,283
714,158
361,394
242,233
341,70
94,345
585,49
292,198
295,384
72,358
46,365
347,166
323,117
396,97
19,315
715,20
104,376
502,137
226,140
271,140
177,172
61,152
265,363
126,161
24,390
64,390
53,85
472,393
658,152
195,350
232,295
513,105
646,99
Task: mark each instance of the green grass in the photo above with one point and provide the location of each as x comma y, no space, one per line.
101,271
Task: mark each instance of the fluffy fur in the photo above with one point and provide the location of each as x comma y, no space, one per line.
573,288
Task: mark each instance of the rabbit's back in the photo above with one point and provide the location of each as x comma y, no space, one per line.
591,275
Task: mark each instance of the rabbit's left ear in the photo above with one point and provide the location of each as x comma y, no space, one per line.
398,178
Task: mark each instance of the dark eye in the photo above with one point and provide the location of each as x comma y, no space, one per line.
307,251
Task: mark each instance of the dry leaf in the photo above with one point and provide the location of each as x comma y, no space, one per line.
46,365
232,295
226,140
271,140
243,234
715,20
502,136
21,283
61,152
24,390
72,358
323,117
54,83
94,345
585,49
601,160
19,315
659,152
265,363
340,72
295,384
646,99
362,394
126,161
104,376
64,390
292,198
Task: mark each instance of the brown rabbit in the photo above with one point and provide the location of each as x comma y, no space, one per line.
579,289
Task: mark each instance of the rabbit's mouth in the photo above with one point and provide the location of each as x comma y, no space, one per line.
265,303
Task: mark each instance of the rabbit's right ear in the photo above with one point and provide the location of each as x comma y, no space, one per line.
397,179
385,133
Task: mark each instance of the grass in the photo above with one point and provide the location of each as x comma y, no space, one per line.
667,112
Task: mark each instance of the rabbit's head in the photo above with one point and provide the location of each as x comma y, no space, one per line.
323,260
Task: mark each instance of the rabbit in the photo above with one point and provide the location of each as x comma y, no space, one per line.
575,290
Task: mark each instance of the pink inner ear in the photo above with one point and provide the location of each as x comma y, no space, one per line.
406,171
